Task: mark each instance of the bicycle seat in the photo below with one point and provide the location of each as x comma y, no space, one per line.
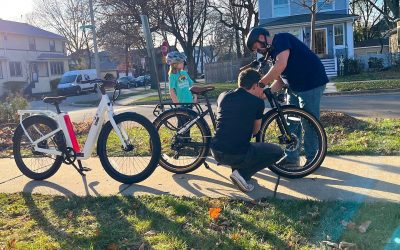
54,100
198,90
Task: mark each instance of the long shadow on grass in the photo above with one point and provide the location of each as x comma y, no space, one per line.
88,222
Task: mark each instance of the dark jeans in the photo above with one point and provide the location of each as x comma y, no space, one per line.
259,156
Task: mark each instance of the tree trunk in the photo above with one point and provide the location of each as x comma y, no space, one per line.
238,47
313,19
126,59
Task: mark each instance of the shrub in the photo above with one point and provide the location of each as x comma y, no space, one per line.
352,67
375,63
14,86
10,106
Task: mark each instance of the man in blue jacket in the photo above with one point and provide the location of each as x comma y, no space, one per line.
295,65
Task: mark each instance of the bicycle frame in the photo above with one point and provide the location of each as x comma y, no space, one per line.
64,125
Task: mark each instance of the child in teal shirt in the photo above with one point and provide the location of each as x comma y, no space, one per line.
179,80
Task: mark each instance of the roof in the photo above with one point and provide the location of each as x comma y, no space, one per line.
372,42
26,29
305,18
44,56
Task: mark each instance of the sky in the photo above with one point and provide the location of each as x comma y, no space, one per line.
13,9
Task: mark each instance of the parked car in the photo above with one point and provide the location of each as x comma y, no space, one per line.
143,80
126,82
75,82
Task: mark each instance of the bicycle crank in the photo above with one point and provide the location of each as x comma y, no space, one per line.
69,156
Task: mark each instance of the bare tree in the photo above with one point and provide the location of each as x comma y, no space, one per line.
365,27
239,15
314,7
66,17
186,20
390,10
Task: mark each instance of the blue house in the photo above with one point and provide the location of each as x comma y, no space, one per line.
334,26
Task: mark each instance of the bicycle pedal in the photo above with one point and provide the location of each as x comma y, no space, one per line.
86,169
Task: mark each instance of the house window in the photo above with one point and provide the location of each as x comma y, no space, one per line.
52,45
1,70
339,34
57,68
281,8
15,69
32,43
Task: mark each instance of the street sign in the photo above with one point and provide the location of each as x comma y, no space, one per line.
89,26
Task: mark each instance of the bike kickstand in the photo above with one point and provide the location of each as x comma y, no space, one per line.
80,168
206,165
276,185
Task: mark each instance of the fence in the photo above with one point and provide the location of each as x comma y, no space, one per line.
388,59
224,71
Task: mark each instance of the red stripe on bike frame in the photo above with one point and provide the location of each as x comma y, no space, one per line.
71,134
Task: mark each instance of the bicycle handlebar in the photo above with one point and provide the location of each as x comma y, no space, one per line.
100,83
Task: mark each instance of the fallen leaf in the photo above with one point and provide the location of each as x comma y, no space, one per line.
70,215
330,244
141,247
351,225
150,233
346,245
235,236
112,247
97,233
214,212
11,244
364,226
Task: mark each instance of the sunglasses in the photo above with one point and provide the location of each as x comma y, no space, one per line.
261,85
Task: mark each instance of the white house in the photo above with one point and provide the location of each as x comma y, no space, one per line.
30,54
334,26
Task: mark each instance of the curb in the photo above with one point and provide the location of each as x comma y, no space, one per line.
372,91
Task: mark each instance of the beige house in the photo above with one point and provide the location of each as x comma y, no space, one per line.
31,55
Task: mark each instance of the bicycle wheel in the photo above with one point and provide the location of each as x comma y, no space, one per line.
310,152
139,160
182,153
33,164
116,94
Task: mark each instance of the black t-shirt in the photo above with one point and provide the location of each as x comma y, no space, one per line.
304,70
237,110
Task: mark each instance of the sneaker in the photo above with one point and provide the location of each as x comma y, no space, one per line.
241,183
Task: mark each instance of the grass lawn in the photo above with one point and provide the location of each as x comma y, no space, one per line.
393,73
346,136
166,222
219,88
368,85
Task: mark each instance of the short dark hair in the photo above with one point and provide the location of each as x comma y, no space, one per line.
248,78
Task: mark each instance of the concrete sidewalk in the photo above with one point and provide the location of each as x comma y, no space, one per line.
355,178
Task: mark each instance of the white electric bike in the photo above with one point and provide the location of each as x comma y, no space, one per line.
128,144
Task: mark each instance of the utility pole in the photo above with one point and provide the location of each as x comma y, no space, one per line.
96,52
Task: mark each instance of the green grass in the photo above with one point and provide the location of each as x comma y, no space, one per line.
368,85
393,73
168,222
367,137
371,137
219,88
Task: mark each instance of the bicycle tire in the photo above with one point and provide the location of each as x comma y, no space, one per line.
116,94
319,157
200,125
18,137
109,161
